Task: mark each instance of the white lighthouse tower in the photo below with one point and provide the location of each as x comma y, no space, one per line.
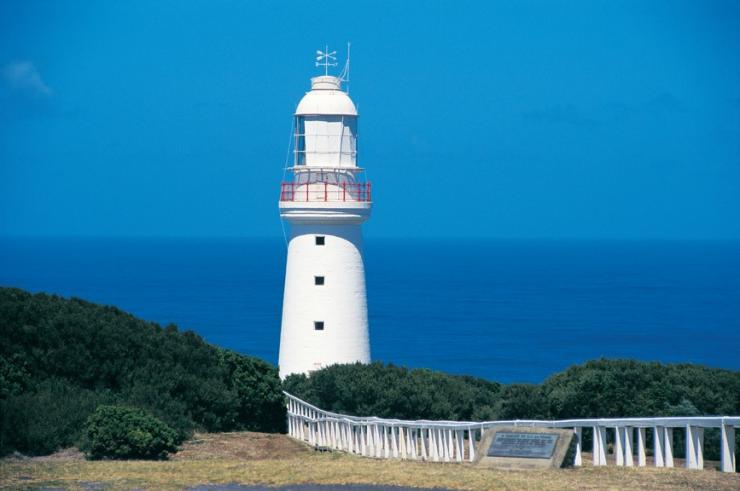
324,201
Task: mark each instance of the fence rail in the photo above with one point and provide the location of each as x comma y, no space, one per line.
454,441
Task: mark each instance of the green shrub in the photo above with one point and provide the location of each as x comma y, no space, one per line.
390,391
595,389
259,401
121,432
625,388
46,418
61,358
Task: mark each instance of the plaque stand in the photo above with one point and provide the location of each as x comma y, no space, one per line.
516,447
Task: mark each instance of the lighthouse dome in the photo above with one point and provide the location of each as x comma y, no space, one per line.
326,97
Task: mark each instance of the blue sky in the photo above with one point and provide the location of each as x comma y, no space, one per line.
494,119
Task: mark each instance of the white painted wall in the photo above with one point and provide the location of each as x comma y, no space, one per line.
324,200
340,303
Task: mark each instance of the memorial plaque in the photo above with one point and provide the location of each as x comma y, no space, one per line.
521,447
525,445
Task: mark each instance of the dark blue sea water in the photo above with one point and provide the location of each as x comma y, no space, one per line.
504,310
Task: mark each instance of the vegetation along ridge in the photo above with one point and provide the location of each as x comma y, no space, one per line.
73,373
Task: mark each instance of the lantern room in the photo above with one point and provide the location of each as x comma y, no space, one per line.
326,126
325,149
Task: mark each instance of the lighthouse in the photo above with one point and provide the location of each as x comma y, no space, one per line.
324,200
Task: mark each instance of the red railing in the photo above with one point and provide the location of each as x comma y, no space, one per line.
324,191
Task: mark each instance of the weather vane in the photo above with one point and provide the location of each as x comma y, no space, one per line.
326,59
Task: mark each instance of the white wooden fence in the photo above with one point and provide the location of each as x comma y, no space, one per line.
454,441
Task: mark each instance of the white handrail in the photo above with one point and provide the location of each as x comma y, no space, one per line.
454,441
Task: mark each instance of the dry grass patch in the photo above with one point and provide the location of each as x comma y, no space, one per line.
243,458
240,446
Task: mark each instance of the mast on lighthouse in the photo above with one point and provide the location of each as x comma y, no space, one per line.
324,200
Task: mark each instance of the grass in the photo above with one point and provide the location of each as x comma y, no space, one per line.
252,458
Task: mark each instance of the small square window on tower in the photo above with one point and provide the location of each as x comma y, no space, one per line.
318,280
320,240
318,325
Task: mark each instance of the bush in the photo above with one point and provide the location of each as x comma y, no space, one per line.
121,432
47,418
260,405
390,391
625,388
595,389
64,357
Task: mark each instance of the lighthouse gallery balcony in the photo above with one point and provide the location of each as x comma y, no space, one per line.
358,192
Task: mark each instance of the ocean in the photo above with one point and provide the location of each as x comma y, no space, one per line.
510,311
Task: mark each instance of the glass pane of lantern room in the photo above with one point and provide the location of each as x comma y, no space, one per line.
311,128
300,141
323,134
349,142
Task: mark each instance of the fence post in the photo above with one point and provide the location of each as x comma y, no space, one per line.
628,447
694,447
668,447
302,423
439,444
423,440
619,445
434,446
394,441
417,443
727,452
379,439
659,446
460,445
406,442
599,445
374,440
444,440
641,460
414,439
363,440
578,435
386,447
410,443
290,425
403,441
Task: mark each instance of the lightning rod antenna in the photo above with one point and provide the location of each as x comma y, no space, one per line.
344,75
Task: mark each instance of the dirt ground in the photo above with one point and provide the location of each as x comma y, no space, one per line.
240,446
